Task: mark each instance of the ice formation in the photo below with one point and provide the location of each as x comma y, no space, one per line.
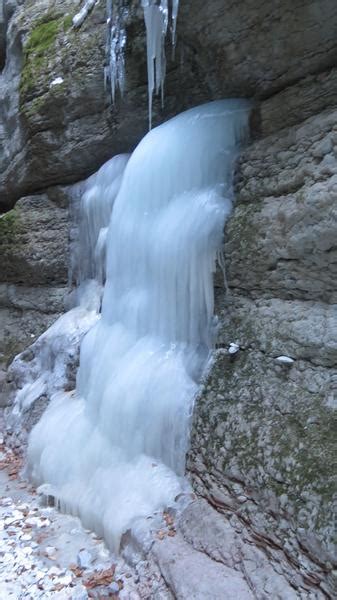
156,16
116,450
233,348
56,81
91,211
284,360
48,366
114,71
80,17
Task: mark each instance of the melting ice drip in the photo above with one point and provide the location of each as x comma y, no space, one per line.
157,14
116,451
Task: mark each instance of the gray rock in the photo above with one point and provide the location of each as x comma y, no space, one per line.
34,269
34,243
84,559
281,238
2,35
193,575
271,437
64,132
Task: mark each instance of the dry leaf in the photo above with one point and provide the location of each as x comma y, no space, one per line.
76,570
100,578
171,533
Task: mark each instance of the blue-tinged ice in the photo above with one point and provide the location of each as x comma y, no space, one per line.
116,450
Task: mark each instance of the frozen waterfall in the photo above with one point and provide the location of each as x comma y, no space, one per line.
116,450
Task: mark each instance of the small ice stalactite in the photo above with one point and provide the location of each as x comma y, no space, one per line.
156,16
175,8
116,451
114,71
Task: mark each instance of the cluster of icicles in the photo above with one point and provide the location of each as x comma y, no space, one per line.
115,451
157,15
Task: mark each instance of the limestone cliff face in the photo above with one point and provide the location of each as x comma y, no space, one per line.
262,446
264,434
34,270
60,133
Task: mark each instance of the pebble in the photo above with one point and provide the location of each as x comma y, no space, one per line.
284,360
233,348
84,559
114,588
242,499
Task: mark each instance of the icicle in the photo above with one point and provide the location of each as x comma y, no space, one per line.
114,72
175,8
156,16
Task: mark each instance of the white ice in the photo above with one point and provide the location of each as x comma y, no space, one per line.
116,451
93,200
80,17
56,81
114,71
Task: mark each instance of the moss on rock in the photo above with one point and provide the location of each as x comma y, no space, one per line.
8,226
39,51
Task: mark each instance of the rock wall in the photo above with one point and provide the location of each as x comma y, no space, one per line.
264,433
56,133
34,269
262,446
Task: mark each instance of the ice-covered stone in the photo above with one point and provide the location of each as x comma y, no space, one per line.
284,360
114,587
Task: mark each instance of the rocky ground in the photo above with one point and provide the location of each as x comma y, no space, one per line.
45,554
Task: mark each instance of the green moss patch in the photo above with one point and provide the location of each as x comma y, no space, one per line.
40,49
8,225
